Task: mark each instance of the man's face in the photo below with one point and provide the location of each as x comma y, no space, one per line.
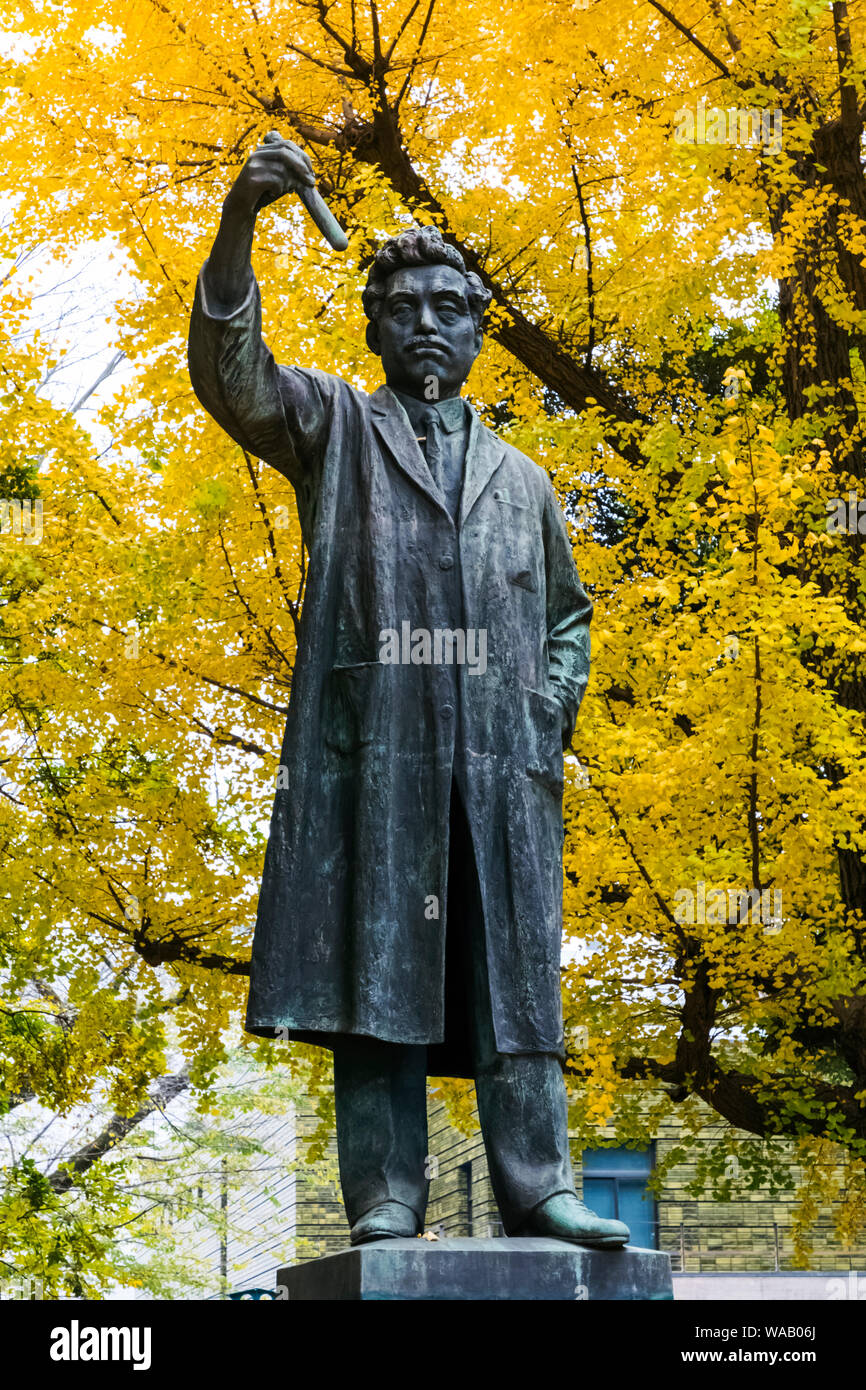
425,334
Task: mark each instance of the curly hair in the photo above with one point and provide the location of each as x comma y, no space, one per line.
420,246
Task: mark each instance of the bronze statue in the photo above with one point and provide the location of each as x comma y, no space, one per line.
410,914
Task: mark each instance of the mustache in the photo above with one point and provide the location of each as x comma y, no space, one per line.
426,343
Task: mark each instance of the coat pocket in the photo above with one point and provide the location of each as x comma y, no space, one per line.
350,705
544,739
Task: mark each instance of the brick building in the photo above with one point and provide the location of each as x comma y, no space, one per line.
702,1235
280,1209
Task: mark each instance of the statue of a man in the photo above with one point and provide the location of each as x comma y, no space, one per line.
410,915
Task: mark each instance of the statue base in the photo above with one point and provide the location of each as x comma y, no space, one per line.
472,1268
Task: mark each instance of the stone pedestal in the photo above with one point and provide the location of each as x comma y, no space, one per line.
501,1268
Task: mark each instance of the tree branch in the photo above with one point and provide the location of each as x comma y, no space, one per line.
692,38
167,1088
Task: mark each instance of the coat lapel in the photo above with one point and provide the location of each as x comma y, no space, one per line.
484,454
392,424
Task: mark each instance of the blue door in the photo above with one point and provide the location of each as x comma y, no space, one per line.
614,1185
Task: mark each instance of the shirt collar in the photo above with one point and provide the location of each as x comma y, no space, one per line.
452,411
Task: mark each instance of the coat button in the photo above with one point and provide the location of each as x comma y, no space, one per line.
446,562
447,711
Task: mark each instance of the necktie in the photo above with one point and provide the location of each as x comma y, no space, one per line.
431,423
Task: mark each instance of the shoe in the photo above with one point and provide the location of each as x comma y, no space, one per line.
387,1221
564,1217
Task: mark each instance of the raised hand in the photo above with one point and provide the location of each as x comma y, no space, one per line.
275,168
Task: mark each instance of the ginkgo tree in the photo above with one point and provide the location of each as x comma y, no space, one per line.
667,203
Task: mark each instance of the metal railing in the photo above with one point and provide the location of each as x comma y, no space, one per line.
699,1248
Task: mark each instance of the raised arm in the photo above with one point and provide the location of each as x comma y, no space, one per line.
280,414
272,171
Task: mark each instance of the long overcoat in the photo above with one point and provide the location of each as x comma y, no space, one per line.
350,933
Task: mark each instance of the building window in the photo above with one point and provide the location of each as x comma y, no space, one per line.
614,1185
465,1196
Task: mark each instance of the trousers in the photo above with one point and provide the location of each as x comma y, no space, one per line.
380,1088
